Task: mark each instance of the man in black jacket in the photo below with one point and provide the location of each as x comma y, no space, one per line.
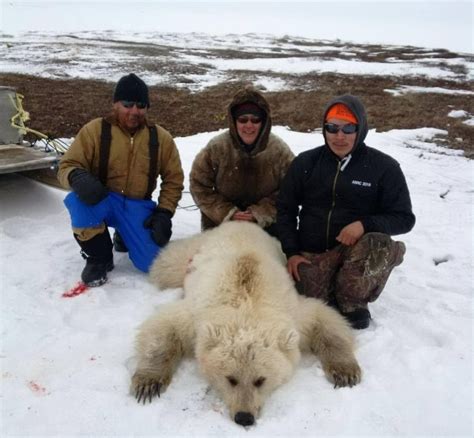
336,210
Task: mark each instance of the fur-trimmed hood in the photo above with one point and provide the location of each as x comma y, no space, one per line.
250,94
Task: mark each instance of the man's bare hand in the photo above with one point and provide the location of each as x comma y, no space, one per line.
351,233
243,216
293,263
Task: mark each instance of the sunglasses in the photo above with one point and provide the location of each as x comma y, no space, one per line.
132,103
245,119
333,128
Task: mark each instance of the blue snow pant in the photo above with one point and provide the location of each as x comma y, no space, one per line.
126,216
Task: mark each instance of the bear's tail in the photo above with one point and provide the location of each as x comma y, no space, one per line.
169,268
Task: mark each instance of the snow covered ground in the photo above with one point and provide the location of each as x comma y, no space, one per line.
200,44
199,60
67,362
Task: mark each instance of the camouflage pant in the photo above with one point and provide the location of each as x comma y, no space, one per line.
351,276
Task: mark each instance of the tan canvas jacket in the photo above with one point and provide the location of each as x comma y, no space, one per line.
128,162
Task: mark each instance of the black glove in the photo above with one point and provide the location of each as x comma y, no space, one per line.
160,224
87,187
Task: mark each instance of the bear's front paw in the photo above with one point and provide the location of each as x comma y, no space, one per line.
344,373
145,386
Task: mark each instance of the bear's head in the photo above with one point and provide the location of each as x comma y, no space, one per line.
246,364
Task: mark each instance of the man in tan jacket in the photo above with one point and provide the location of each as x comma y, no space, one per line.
238,174
112,168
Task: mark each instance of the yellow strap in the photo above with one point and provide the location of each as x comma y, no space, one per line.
19,119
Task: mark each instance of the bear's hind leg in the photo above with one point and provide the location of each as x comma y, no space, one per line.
161,343
170,266
327,334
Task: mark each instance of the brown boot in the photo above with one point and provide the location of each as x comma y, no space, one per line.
359,319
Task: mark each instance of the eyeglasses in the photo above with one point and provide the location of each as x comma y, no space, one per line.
132,103
333,128
245,119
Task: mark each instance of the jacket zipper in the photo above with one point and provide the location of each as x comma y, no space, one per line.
130,156
333,203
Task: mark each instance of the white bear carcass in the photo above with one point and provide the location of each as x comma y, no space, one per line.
242,319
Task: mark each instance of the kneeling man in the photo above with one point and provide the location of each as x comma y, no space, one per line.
112,167
336,210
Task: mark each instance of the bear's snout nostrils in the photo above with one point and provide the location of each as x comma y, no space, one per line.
244,418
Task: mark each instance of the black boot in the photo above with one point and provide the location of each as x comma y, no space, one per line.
119,244
359,319
99,259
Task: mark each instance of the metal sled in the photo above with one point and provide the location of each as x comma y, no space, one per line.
21,157
17,155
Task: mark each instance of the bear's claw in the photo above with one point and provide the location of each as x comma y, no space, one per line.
146,386
341,381
144,392
345,375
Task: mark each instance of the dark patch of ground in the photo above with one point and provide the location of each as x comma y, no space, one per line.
59,107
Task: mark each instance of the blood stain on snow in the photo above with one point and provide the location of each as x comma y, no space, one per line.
36,388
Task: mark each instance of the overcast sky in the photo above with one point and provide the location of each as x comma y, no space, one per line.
428,24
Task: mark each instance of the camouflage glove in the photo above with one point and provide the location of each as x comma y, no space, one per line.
87,187
159,223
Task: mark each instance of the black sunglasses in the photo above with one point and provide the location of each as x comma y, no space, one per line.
333,128
132,103
245,119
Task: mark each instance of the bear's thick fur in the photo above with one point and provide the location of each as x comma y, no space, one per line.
241,317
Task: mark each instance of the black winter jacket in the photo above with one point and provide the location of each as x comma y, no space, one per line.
322,193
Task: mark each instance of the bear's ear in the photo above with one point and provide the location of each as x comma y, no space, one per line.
211,336
289,340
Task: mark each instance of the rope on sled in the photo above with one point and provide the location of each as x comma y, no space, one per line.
190,207
59,146
22,116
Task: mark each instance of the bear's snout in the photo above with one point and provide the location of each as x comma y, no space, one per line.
244,418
